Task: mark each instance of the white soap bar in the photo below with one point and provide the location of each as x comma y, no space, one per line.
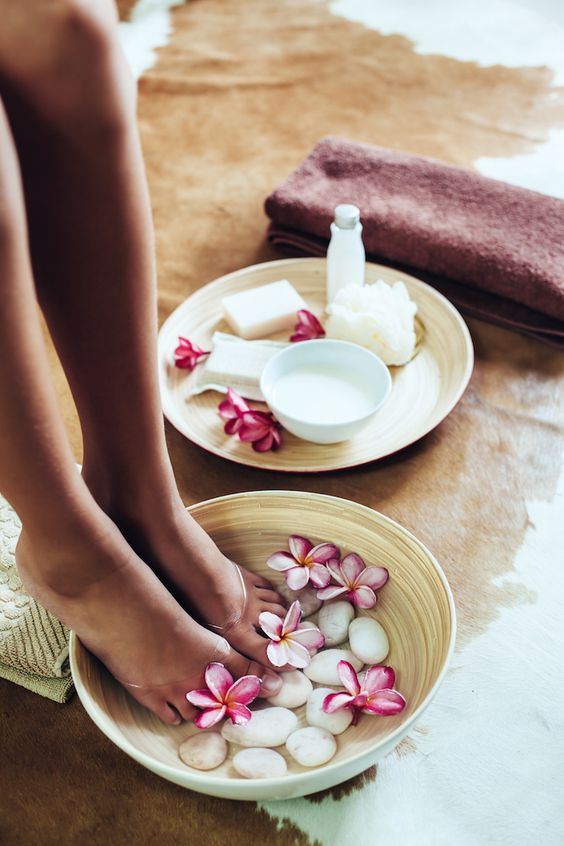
236,364
262,311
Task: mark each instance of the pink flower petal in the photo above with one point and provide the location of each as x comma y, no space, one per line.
378,678
281,561
362,597
243,691
299,547
237,401
352,566
331,592
319,576
307,327
298,655
202,699
232,426
271,624
253,427
348,677
373,577
239,714
264,444
297,578
207,719
323,552
218,680
334,567
309,636
385,702
336,702
278,653
292,618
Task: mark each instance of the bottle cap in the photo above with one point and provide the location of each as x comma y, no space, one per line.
347,216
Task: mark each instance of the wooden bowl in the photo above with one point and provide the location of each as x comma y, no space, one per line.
415,607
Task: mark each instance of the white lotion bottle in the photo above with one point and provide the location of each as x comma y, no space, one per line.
345,255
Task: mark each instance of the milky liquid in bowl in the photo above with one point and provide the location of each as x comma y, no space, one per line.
322,394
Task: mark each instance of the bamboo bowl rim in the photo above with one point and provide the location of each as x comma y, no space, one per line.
199,780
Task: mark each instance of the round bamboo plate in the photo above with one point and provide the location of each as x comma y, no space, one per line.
423,392
415,607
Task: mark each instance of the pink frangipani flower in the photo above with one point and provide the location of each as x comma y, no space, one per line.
223,697
260,428
232,409
304,562
290,641
376,694
187,354
354,581
308,327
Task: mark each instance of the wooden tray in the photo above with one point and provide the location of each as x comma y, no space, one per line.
424,391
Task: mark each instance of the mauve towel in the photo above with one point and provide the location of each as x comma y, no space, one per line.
495,250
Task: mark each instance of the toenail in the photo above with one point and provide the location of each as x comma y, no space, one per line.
271,683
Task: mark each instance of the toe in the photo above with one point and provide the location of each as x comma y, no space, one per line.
164,711
270,596
241,665
261,582
274,608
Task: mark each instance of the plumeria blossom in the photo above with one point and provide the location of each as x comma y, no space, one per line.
290,641
304,562
187,354
223,697
308,327
354,581
376,694
260,428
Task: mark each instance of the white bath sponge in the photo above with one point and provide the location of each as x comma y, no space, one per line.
379,317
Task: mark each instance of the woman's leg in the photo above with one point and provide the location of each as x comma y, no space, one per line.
92,248
71,556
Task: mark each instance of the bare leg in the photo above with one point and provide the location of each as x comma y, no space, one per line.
72,557
93,260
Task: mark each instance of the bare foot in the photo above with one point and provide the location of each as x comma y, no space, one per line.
225,597
121,612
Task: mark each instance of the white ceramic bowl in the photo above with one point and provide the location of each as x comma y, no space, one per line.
330,418
415,607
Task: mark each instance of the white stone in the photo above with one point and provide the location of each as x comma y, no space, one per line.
294,691
368,640
204,751
323,666
333,621
260,763
308,598
269,727
311,746
315,715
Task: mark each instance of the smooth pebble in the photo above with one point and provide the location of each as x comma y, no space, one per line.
204,751
368,640
334,620
260,763
308,598
315,715
269,727
323,666
294,691
311,746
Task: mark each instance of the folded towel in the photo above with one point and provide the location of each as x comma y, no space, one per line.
33,644
495,250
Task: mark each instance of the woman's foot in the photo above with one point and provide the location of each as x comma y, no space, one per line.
121,612
224,596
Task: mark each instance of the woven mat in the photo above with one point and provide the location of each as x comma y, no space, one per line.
33,644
